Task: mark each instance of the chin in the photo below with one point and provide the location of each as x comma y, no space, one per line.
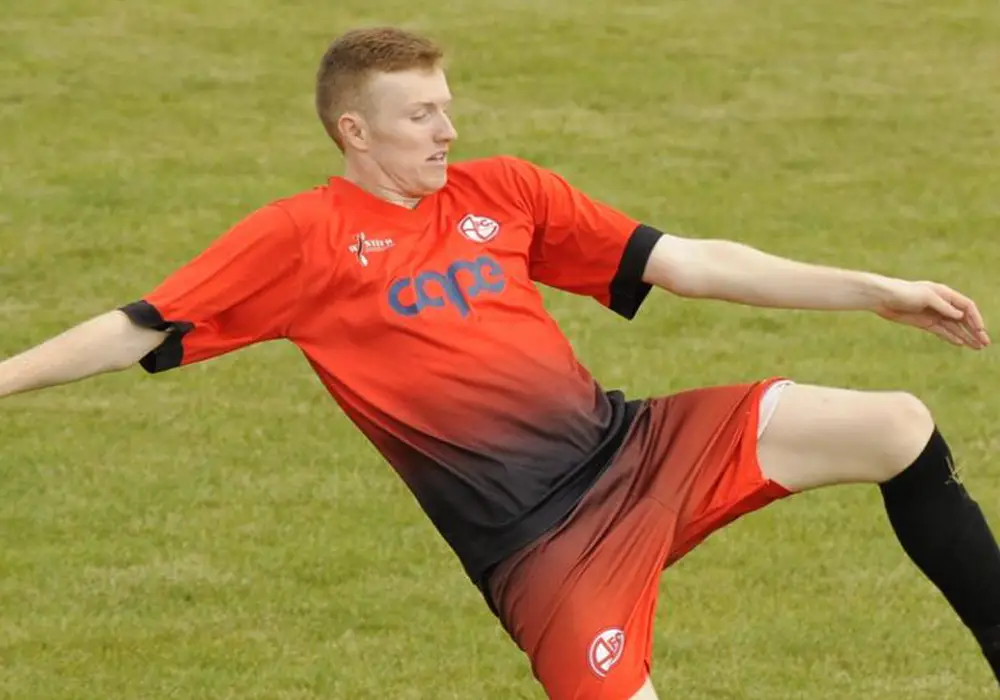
430,185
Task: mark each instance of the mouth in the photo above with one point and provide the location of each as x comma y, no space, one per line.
439,157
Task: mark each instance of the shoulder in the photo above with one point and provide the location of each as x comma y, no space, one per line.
498,166
280,223
305,208
507,173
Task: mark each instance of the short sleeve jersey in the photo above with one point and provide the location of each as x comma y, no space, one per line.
427,328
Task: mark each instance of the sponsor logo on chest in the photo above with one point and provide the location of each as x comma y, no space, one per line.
363,246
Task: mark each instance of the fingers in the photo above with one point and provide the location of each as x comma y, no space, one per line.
958,334
946,331
972,321
944,306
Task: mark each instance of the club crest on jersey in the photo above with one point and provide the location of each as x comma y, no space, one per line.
606,651
363,246
478,229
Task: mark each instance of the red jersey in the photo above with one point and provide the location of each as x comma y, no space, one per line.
426,326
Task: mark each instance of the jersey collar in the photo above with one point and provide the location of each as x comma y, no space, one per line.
361,198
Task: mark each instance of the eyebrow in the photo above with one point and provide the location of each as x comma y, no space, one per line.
431,104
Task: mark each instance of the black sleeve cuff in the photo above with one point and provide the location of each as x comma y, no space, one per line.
628,291
170,353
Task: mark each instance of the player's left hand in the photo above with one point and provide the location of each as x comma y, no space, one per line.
935,308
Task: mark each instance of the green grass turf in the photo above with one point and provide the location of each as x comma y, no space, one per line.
221,531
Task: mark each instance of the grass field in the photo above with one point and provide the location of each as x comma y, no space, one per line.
222,532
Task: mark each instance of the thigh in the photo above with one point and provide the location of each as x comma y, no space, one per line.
646,692
597,644
819,436
582,608
705,457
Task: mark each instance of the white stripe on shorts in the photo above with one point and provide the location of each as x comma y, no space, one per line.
769,402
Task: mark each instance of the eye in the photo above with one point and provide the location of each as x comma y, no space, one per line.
419,117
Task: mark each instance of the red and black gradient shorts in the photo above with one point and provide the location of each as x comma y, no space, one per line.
580,601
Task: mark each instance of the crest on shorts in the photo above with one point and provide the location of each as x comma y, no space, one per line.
606,651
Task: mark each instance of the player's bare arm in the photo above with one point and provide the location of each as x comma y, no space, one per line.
730,271
820,436
106,343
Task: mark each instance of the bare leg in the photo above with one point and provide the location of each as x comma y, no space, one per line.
646,692
819,436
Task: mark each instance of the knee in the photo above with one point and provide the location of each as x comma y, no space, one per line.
905,425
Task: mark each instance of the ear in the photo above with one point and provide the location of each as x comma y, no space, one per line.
354,131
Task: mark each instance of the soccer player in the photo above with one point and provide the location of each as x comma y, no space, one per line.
564,502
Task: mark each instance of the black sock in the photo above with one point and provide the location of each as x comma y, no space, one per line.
945,534
989,640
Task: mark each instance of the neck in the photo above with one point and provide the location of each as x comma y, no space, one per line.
379,185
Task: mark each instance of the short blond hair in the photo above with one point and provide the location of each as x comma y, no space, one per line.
350,61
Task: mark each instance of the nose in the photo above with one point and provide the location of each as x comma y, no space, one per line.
446,129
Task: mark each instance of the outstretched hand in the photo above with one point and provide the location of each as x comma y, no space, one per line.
935,308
